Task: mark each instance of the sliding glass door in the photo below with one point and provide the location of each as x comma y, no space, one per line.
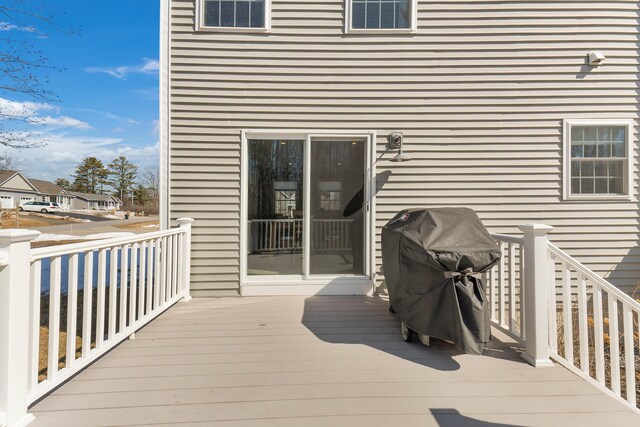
275,207
336,208
305,207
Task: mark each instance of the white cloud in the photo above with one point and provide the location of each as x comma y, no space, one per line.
59,157
132,122
156,127
22,109
148,66
7,26
118,130
29,112
60,122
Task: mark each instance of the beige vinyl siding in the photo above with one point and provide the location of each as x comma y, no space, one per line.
479,92
17,183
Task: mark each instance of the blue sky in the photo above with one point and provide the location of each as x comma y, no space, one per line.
108,89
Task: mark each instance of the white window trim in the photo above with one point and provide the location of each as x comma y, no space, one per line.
566,167
199,24
413,28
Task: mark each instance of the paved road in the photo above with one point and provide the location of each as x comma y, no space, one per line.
83,216
84,228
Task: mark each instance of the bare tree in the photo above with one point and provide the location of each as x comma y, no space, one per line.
7,163
151,180
24,69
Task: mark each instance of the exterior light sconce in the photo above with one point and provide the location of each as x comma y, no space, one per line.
395,143
596,58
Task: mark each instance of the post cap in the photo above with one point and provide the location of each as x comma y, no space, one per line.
536,229
182,221
16,235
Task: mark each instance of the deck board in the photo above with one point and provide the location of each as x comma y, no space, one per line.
315,361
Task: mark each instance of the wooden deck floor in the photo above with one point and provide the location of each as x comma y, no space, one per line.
315,361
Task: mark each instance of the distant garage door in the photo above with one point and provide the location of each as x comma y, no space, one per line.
6,202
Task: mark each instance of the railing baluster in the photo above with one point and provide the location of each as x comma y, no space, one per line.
170,268
175,262
150,289
113,292
72,310
629,355
142,279
582,323
102,297
163,274
512,287
598,333
180,284
553,308
492,293
133,284
157,283
567,318
614,347
124,263
34,315
501,287
87,303
54,318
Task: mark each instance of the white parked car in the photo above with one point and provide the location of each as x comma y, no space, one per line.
44,207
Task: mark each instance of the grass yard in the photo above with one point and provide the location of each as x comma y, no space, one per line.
149,226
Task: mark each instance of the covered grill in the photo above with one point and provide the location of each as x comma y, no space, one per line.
431,261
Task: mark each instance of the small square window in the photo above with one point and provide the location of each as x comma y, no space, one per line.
380,15
597,159
233,14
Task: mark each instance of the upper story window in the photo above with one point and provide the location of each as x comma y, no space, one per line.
381,16
234,15
597,159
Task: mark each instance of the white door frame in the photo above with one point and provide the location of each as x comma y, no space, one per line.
304,284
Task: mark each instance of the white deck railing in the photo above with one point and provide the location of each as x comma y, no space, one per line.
591,326
103,291
561,310
505,287
285,235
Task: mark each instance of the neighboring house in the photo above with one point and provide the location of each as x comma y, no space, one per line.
15,189
276,115
49,192
89,201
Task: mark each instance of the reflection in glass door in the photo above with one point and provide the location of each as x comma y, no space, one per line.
275,207
337,217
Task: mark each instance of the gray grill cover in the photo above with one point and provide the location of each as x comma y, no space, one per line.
429,258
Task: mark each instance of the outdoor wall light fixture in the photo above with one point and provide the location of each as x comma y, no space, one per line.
395,143
596,58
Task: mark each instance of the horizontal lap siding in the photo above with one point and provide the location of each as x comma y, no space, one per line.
479,92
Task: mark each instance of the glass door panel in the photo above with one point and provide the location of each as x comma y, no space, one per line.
336,214
275,207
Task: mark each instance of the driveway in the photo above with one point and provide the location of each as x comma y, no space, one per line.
85,228
83,216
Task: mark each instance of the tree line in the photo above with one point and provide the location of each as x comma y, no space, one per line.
119,178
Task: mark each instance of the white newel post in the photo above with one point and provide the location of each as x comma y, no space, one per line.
15,267
185,280
536,289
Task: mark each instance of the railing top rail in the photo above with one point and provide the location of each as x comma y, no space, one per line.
608,287
276,220
52,251
507,238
